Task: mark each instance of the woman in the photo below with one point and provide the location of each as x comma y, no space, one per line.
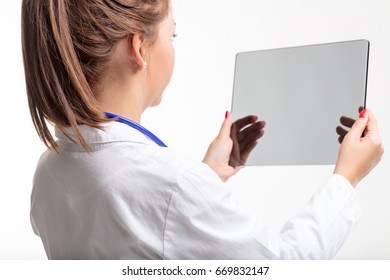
109,189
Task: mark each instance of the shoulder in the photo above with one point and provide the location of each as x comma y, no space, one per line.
124,157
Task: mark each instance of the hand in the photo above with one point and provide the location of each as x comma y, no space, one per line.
244,140
231,148
359,153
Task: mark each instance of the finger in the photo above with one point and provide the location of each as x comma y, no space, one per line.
226,126
341,139
347,121
235,154
246,152
249,130
235,162
250,139
341,131
359,126
240,123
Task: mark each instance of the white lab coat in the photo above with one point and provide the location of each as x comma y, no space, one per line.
131,199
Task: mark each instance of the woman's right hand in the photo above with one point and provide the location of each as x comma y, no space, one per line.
358,154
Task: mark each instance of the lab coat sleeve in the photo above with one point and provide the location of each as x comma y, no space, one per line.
204,222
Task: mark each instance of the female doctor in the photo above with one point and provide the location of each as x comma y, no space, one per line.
110,189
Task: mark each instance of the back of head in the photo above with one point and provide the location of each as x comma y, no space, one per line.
66,47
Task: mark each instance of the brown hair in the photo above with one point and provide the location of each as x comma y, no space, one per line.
66,45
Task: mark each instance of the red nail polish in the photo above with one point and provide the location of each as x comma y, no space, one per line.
226,114
363,114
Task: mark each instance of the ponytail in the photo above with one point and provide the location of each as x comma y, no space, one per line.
66,45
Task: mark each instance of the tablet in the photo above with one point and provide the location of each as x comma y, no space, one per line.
301,93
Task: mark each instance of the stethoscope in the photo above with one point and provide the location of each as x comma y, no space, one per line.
136,126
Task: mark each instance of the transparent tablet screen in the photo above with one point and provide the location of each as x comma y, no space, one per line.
301,93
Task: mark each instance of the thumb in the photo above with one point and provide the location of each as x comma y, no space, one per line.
360,125
226,126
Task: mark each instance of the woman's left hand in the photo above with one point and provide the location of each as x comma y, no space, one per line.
230,149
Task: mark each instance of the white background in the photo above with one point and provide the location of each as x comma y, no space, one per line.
211,32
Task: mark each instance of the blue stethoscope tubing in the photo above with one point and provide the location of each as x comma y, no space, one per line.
136,126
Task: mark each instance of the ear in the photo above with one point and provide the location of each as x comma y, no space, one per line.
137,50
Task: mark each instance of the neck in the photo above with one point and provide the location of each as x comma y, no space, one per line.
124,99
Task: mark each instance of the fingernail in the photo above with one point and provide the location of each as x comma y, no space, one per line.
226,114
363,114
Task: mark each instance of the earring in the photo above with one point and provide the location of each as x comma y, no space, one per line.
145,64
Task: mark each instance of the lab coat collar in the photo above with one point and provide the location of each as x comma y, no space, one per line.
112,132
